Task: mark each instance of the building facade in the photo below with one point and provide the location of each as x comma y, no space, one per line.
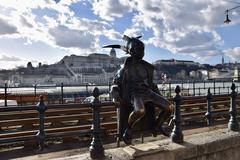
95,68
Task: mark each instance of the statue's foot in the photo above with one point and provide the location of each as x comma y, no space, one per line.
164,131
127,138
154,133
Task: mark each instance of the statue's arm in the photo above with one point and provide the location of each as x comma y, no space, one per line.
116,88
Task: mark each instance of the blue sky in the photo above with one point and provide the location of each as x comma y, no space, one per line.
47,30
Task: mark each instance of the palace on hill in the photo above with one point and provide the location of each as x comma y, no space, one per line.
97,68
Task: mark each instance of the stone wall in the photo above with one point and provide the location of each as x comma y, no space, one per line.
219,144
215,145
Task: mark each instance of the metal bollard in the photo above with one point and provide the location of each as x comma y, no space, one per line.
61,93
193,88
109,90
208,114
233,122
35,90
214,87
41,134
5,94
96,149
86,87
170,90
176,134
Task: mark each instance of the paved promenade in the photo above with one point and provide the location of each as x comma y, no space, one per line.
73,152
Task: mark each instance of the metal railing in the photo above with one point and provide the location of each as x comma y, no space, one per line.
96,147
196,88
60,93
177,135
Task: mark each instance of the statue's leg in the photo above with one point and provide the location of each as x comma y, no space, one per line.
138,111
166,110
134,117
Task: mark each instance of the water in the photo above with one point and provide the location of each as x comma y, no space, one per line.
200,88
186,89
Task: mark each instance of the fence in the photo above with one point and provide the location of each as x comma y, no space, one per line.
96,148
197,88
52,94
233,125
75,94
42,120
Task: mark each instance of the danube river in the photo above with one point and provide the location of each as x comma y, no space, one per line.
190,88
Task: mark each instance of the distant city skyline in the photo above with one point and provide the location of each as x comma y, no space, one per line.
47,30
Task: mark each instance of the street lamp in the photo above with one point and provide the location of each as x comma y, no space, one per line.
227,20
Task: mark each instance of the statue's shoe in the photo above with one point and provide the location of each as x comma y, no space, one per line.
164,131
127,138
154,133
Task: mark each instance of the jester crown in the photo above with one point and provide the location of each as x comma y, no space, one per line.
126,48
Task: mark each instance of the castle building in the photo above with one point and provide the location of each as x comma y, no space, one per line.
96,68
175,62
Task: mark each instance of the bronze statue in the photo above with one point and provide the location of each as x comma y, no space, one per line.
133,84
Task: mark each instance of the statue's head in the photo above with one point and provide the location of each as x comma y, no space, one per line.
133,46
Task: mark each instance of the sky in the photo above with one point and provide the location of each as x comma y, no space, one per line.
47,30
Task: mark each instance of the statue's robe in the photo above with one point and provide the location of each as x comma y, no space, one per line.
130,83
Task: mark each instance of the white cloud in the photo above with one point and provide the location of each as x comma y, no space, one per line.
134,32
109,9
112,34
6,28
9,62
66,37
9,58
54,24
182,26
233,53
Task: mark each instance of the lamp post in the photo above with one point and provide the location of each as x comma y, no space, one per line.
227,20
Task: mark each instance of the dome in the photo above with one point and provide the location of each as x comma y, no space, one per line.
113,53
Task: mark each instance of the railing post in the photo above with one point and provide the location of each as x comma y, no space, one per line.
194,88
182,86
5,94
176,134
41,134
208,115
233,123
86,87
96,149
214,87
35,90
62,93
109,90
170,89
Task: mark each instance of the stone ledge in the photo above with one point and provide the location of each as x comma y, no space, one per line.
194,146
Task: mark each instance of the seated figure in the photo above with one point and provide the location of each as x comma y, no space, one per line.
135,91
